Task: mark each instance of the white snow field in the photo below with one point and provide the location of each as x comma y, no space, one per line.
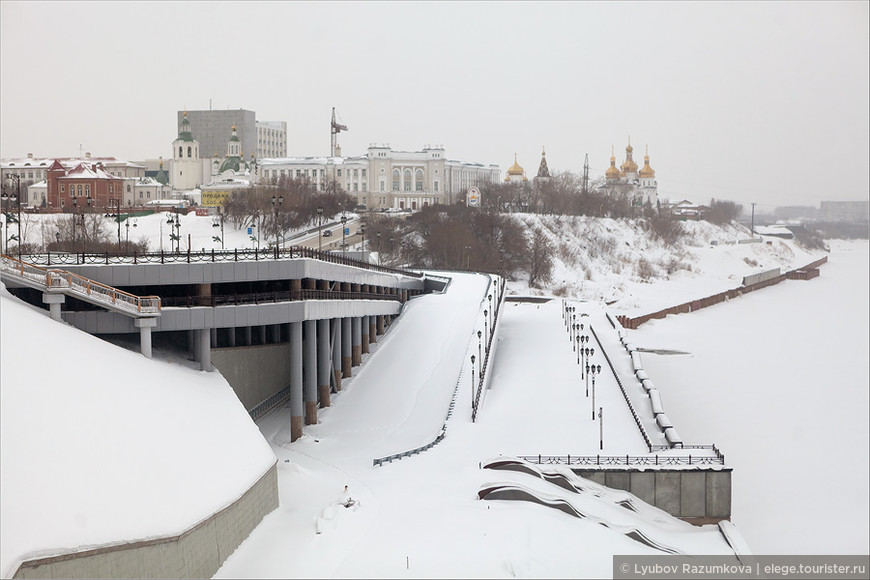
779,380
100,445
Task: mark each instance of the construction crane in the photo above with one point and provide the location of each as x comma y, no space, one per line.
334,129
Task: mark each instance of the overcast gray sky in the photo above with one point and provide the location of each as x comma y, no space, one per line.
752,102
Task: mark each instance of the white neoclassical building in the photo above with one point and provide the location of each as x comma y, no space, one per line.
385,178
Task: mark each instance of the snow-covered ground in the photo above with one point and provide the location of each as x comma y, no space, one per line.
100,445
778,379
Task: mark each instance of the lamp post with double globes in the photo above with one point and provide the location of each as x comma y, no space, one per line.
277,202
319,229
593,370
11,193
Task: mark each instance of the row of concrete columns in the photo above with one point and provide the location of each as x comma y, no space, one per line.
322,353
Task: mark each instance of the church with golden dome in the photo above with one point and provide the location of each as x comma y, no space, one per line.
640,184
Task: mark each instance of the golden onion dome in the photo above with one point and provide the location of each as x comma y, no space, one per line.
646,170
515,169
612,172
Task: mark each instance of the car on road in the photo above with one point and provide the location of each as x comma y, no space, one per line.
327,233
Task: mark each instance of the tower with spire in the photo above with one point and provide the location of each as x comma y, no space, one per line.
186,167
543,175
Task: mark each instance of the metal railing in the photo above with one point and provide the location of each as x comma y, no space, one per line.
79,286
487,350
190,257
624,393
628,460
274,296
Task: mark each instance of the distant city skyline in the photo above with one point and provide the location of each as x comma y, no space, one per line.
749,102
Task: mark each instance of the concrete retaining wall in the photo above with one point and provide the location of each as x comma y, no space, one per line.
195,553
697,496
254,372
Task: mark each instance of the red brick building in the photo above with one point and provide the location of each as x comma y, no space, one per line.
82,181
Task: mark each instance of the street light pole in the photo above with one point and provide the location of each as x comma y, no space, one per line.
472,382
13,179
343,232
601,428
276,204
319,229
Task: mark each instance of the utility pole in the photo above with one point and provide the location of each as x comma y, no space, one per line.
752,223
586,175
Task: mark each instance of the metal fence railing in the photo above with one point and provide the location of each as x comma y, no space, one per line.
81,287
274,296
189,257
628,460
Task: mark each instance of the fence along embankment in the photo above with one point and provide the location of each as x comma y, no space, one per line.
804,273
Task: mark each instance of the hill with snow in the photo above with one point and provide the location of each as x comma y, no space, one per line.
621,263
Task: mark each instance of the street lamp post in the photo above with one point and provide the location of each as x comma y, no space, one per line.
472,382
218,222
127,225
277,202
378,236
593,370
13,179
362,231
479,356
343,232
175,226
485,326
600,428
79,217
319,229
588,352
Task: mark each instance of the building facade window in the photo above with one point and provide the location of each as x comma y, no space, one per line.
181,151
418,181
395,180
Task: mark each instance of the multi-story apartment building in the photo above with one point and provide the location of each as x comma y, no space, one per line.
271,139
257,138
385,178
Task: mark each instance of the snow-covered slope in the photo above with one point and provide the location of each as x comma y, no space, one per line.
99,445
620,263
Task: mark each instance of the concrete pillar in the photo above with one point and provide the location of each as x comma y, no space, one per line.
246,336
323,359
346,347
356,352
364,335
335,324
54,301
309,389
144,325
261,333
231,336
203,348
213,336
275,333
191,345
381,328
295,380
373,329
204,291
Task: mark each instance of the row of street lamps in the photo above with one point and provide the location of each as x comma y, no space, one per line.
579,344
